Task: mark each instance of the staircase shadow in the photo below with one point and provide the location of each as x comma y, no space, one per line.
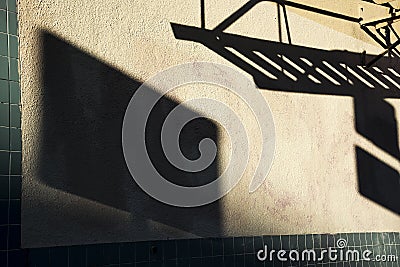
283,67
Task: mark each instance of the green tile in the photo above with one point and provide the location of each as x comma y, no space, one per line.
4,92
12,23
4,193
16,161
15,139
15,93
4,162
4,115
3,68
111,253
4,138
39,257
15,116
3,21
14,237
94,255
13,45
77,256
127,253
4,212
397,238
12,5
15,212
3,4
3,44
15,187
14,69
59,256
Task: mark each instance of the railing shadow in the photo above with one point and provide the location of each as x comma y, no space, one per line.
298,69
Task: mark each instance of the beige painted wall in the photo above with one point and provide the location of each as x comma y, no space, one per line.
313,183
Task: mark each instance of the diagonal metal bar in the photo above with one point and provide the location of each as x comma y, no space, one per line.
235,16
250,4
287,24
320,11
378,57
373,36
203,14
375,22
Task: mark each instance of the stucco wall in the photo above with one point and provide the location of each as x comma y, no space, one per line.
80,63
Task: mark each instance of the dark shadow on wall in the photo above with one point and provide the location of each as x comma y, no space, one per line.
298,69
84,102
378,181
376,120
